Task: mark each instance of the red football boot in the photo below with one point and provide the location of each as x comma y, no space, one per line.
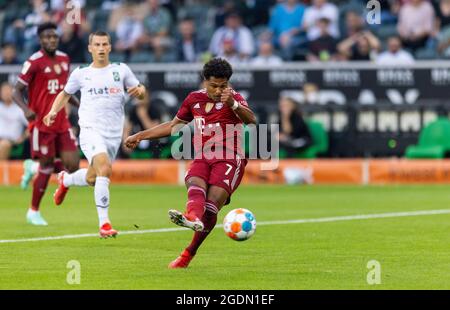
181,261
106,231
186,220
61,191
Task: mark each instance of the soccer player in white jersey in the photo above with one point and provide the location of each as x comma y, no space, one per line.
103,87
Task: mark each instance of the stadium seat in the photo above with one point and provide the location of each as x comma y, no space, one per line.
434,141
17,151
320,141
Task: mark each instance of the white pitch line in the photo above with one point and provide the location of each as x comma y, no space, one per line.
299,221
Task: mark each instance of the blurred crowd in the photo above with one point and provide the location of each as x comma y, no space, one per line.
243,31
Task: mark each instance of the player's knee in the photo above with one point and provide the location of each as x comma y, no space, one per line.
105,170
195,182
90,180
72,166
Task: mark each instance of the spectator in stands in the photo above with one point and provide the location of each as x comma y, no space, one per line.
234,31
395,55
361,46
354,24
157,29
266,56
285,25
442,9
294,132
12,122
416,23
227,7
129,30
143,115
323,48
8,55
188,44
22,32
321,9
258,12
39,15
230,54
71,43
389,11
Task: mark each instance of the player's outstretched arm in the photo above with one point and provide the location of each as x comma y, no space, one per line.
60,101
157,132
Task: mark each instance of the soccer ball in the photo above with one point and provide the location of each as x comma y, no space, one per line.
239,224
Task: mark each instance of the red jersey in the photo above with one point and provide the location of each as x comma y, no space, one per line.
217,123
45,77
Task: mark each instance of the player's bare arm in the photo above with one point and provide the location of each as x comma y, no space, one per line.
19,98
157,132
137,91
60,101
74,101
244,113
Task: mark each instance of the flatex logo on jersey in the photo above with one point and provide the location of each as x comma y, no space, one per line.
104,91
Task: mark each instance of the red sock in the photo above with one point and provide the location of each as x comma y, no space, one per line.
58,166
196,201
39,186
209,219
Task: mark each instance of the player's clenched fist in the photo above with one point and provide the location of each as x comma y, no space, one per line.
49,119
137,92
132,142
227,97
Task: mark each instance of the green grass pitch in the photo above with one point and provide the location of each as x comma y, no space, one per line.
413,251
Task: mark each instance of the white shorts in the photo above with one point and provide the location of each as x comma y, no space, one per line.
93,143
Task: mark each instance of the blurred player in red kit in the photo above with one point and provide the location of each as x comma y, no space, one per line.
44,75
219,162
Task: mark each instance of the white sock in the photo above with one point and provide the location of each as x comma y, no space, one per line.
35,167
78,178
102,199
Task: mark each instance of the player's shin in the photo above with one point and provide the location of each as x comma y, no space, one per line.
209,219
101,192
196,201
40,185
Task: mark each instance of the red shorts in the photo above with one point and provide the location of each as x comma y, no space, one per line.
47,145
224,173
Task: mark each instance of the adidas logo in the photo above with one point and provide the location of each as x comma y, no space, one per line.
47,70
197,106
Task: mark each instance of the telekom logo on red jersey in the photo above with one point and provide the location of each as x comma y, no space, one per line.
200,125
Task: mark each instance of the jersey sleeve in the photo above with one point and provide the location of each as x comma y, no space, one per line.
185,113
238,97
130,79
28,72
73,84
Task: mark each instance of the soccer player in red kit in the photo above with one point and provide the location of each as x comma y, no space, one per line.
211,179
45,74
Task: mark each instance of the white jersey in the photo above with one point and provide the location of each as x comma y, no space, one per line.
103,94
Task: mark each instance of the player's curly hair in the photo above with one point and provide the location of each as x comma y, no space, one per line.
218,68
42,27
